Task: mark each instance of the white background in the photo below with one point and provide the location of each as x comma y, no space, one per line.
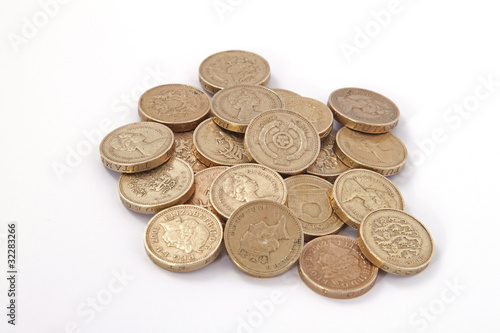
84,67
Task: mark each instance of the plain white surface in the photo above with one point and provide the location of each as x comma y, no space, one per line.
84,68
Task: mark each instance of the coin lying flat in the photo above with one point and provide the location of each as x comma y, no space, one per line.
179,106
137,147
383,153
283,140
233,108
327,165
358,192
285,93
183,238
263,238
316,112
184,150
396,242
151,191
363,110
215,146
244,183
229,68
308,198
202,182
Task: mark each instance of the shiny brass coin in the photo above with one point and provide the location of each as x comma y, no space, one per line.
215,146
183,238
383,153
396,242
263,238
285,93
327,165
316,112
229,68
234,107
308,198
244,183
333,266
202,182
363,110
179,106
137,147
184,150
283,140
151,191
358,192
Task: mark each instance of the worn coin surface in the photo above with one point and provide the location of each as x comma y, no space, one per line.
285,93
184,150
202,182
179,106
233,108
283,140
244,183
183,238
383,153
228,68
263,238
316,112
137,147
333,266
151,191
327,165
363,110
215,146
358,192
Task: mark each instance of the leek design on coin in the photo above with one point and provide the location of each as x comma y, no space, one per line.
327,165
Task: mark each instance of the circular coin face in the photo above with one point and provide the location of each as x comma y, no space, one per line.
179,106
229,68
202,182
283,140
363,110
137,147
316,112
263,238
327,165
285,93
383,153
184,150
183,238
151,191
333,266
358,192
396,242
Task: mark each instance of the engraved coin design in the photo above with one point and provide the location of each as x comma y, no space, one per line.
202,182
184,150
316,112
285,93
327,165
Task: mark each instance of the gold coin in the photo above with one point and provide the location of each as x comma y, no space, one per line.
229,68
363,110
233,108
333,266
215,146
396,242
244,183
283,140
308,198
151,191
263,238
179,106
183,238
358,192
202,182
327,165
137,147
383,153
316,112
184,150
285,93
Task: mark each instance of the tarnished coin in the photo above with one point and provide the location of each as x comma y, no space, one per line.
383,153
215,146
327,165
229,68
263,238
396,242
283,140
202,182
308,198
244,183
316,112
137,147
285,93
183,238
184,150
179,106
358,192
233,108
363,110
151,191
333,266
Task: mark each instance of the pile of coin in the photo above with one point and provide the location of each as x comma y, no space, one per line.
258,171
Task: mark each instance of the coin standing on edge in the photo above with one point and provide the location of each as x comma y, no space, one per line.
202,182
316,112
263,238
184,150
327,165
285,93
137,147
